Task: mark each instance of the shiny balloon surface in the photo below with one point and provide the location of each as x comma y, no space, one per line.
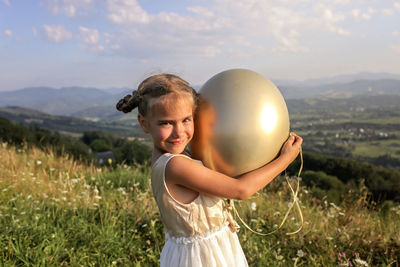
241,122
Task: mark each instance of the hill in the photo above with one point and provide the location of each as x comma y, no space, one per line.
55,211
100,104
64,101
343,90
68,125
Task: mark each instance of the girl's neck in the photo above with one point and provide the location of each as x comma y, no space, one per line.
157,153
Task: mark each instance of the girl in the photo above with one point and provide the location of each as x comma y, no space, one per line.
200,231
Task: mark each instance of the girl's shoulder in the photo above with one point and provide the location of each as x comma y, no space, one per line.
167,156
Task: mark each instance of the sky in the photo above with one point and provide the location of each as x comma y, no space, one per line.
118,43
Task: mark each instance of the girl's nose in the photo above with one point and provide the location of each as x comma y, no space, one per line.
177,130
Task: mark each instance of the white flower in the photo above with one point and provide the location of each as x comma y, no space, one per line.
38,162
360,261
253,206
300,253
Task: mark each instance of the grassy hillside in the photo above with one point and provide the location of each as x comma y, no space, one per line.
58,212
70,125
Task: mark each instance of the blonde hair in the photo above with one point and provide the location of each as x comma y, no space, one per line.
154,87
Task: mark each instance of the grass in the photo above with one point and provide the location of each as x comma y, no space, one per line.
378,148
58,212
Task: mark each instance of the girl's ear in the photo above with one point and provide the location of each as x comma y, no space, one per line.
143,123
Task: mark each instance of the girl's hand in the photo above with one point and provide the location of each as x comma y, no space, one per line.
291,148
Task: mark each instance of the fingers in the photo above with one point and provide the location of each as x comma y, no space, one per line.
298,139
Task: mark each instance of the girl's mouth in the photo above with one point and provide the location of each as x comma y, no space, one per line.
178,142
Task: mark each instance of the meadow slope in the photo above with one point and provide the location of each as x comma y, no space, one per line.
55,211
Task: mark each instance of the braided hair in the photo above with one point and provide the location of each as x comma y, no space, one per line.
153,87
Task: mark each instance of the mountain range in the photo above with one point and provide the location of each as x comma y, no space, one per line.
99,104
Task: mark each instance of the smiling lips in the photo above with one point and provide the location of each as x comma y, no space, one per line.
179,142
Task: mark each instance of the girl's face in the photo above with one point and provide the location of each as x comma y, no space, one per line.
170,123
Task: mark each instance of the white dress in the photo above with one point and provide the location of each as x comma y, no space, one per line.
201,233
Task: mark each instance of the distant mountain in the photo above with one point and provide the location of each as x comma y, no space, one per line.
64,101
343,90
338,79
96,104
68,124
331,104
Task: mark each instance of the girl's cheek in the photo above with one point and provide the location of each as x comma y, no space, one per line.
163,133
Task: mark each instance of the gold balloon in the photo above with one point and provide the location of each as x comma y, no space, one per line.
241,122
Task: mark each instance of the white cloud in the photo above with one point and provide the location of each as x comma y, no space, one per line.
245,25
89,36
397,5
396,33
93,48
201,11
395,48
67,7
56,33
7,2
127,11
359,15
387,11
8,32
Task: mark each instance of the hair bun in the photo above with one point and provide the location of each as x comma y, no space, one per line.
129,102
123,104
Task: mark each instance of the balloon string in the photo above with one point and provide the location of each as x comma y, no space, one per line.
295,202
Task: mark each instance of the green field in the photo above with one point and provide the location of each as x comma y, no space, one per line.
59,212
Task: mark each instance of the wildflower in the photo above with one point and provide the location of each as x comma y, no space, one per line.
74,181
361,262
29,197
110,161
279,257
253,206
64,192
98,197
300,253
342,255
38,162
276,213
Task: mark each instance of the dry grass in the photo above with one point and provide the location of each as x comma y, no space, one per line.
55,211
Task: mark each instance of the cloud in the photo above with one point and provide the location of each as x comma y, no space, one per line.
387,11
67,7
395,48
245,25
56,33
396,33
358,15
7,2
397,5
8,32
127,11
89,36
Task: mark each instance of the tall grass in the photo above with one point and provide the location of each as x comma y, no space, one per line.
55,211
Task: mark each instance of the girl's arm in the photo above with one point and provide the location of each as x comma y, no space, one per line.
190,174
